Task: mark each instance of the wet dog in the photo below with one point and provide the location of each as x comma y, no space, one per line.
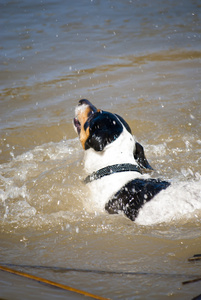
114,160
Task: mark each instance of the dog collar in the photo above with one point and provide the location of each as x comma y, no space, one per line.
111,170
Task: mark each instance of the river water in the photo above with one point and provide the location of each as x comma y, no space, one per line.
142,60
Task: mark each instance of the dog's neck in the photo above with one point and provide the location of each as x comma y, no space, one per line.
109,170
118,152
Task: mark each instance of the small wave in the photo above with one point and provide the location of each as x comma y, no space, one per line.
40,183
179,201
42,187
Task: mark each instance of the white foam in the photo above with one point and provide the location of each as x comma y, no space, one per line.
21,209
12,191
37,184
31,175
50,150
180,200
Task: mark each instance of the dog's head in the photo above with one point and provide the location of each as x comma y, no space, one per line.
97,129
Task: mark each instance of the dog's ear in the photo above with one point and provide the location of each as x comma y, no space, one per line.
140,157
104,128
98,140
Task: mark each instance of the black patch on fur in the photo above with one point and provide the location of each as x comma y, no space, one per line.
124,123
104,128
139,150
133,195
140,157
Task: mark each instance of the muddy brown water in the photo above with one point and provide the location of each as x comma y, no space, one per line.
142,60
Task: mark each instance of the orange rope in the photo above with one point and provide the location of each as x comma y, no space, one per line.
52,283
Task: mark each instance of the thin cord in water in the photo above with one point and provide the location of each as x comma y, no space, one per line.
106,272
51,283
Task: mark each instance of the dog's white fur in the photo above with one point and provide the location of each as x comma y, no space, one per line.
162,208
117,152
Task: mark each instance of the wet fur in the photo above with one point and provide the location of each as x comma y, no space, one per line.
108,140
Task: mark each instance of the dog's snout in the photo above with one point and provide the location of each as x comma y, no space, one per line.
84,101
88,103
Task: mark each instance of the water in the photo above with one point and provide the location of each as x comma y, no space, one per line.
140,59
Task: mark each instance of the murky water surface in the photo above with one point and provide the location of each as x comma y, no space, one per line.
141,59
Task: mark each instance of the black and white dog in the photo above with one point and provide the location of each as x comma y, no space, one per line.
114,160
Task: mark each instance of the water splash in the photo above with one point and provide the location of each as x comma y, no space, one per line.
40,183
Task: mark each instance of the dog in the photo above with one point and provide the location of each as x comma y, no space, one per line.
114,162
